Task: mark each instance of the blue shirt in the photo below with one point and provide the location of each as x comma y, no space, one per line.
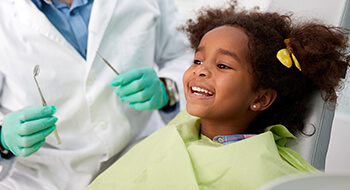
71,21
228,139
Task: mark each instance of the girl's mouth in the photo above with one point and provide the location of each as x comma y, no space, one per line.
201,91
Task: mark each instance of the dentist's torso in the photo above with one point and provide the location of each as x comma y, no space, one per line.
92,123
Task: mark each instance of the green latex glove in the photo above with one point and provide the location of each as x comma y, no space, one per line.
142,88
23,132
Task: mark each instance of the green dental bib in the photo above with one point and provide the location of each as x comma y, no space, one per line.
178,157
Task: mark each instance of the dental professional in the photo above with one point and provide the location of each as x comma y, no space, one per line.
98,115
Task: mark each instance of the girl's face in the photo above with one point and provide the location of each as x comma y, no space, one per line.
218,85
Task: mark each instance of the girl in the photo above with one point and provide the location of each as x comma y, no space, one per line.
252,76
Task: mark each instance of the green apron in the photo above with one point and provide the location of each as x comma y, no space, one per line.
178,157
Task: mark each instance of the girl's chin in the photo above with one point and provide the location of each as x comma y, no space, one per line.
195,111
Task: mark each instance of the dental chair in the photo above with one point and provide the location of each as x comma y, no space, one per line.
313,144
319,122
307,182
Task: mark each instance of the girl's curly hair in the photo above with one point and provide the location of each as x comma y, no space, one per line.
321,51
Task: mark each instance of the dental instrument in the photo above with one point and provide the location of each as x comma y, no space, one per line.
109,65
36,73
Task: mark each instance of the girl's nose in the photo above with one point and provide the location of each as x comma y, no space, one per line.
202,71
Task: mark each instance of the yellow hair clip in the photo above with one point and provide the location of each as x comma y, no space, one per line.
284,55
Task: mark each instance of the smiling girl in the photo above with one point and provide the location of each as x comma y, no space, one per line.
219,85
252,76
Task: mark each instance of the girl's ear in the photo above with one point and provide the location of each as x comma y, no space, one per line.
264,99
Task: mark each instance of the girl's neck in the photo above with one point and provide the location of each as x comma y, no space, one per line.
212,128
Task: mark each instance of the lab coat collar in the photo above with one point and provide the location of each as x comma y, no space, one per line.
28,14
101,14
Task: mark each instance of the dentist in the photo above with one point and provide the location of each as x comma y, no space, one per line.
97,114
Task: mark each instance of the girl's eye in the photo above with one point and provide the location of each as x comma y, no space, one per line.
222,66
197,62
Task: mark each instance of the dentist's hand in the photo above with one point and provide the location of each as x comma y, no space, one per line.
23,132
142,88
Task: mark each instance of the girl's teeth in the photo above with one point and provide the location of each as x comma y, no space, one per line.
197,89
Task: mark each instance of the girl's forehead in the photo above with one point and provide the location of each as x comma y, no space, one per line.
226,41
225,37
227,33
227,28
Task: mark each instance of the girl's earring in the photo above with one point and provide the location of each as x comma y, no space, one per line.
254,106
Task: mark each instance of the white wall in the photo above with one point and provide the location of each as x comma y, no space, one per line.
188,7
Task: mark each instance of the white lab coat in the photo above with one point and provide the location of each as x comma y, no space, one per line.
92,123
